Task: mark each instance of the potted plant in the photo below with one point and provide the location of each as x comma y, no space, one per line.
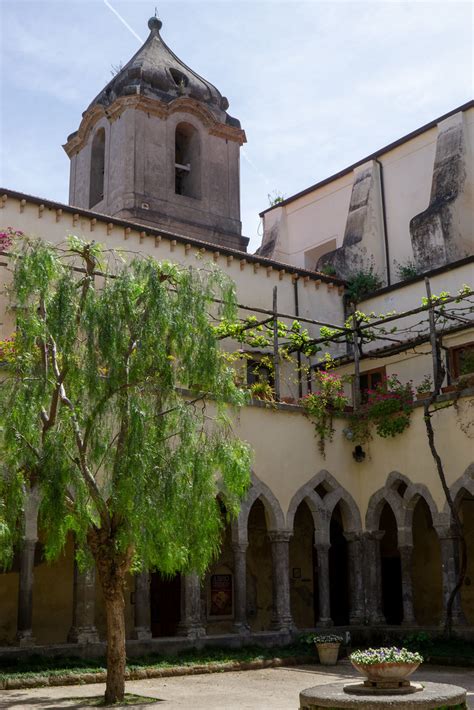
386,667
328,648
423,390
262,390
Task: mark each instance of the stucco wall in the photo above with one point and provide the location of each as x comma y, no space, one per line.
410,186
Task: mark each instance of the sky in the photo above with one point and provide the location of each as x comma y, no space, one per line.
316,85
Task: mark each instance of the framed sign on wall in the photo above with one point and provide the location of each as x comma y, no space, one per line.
221,595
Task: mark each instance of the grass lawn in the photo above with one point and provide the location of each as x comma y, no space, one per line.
40,666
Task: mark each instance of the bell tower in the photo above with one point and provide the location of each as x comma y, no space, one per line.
158,147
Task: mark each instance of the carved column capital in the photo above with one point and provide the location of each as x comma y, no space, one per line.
280,535
375,535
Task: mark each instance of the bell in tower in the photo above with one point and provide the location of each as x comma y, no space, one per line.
158,147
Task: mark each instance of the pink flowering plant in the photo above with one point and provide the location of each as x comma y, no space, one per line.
327,400
7,237
389,406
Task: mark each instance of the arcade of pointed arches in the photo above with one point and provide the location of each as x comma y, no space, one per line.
317,565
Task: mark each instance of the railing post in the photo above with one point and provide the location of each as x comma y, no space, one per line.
356,360
276,355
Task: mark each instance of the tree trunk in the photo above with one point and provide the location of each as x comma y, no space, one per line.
112,569
116,652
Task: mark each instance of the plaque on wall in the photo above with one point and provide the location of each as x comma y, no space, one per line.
221,595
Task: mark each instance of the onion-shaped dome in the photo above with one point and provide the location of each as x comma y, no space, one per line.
156,72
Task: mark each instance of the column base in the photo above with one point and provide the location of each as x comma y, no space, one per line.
458,619
83,634
285,625
356,619
195,631
141,633
241,629
409,622
25,639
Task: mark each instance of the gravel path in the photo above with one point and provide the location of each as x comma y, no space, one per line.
269,689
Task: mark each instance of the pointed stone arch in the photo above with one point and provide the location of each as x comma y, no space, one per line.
388,494
464,484
350,512
273,511
322,507
413,494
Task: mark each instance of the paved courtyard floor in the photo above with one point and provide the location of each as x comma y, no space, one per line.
269,689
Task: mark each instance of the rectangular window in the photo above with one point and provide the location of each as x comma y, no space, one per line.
462,360
258,372
369,380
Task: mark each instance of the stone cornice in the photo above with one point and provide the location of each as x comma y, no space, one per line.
155,108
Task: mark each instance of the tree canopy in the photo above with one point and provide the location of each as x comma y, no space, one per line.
114,405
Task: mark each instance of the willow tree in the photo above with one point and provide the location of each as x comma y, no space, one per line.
116,408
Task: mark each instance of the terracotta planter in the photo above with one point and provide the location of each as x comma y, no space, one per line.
328,653
423,395
386,672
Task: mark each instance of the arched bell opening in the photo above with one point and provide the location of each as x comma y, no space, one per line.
187,161
97,171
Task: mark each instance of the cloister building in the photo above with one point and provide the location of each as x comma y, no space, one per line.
356,542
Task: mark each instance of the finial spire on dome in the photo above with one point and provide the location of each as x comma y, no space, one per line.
154,23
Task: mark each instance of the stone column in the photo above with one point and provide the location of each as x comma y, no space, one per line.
373,578
191,622
280,544
25,594
322,550
356,582
450,567
83,628
240,587
142,628
406,555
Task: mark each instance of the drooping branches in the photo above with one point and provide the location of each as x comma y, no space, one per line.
114,402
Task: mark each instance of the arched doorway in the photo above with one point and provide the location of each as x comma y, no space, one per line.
466,511
426,567
303,570
259,570
338,570
392,604
219,586
165,604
